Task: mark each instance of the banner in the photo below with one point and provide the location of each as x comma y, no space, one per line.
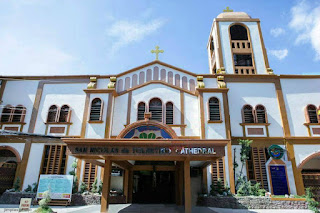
60,186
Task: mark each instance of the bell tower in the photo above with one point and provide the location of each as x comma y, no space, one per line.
236,45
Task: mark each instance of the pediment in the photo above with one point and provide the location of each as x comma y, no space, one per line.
156,72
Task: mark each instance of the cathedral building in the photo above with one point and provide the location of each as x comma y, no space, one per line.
161,134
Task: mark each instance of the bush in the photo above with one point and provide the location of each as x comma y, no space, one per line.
44,204
16,185
35,187
75,185
219,189
94,187
28,189
100,187
312,204
246,188
83,187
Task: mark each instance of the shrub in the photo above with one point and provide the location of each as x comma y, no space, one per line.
219,189
312,204
100,187
246,188
28,189
94,187
35,187
16,185
83,187
44,204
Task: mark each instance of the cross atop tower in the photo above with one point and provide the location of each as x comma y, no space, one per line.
227,10
157,51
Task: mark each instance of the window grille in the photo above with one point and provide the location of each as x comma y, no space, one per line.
312,114
214,109
261,114
169,113
248,114
64,113
52,114
54,159
155,107
141,111
96,110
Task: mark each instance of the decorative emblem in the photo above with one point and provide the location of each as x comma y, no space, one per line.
157,51
275,151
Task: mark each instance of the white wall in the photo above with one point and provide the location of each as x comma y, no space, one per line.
34,163
119,118
116,183
298,93
60,94
26,91
214,130
254,93
191,115
256,46
97,130
301,152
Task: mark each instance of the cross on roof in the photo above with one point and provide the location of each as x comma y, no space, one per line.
157,51
227,10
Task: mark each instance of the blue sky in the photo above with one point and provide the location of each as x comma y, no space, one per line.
74,37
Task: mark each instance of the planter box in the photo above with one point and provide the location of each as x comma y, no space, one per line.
251,202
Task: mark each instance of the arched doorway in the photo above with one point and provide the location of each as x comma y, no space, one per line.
310,171
9,159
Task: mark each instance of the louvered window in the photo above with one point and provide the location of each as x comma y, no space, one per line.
52,114
54,160
155,107
218,171
248,114
214,109
169,113
312,114
90,174
6,113
261,114
19,114
96,110
64,114
141,111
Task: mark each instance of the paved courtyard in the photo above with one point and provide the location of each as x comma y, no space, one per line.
154,208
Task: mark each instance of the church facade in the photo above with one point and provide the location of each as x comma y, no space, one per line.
160,134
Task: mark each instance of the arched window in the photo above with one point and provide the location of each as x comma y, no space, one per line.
6,113
312,114
52,114
261,115
141,111
169,113
19,114
247,112
155,107
238,32
64,114
214,109
96,110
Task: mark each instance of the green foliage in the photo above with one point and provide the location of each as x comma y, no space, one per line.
16,185
94,187
100,187
35,187
219,189
44,204
312,204
83,187
72,173
74,164
245,150
246,188
28,189
75,185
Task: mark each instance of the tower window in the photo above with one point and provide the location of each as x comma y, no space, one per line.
242,60
52,114
141,111
155,107
214,109
261,114
96,110
64,114
238,32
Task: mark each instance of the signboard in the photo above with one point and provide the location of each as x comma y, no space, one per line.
279,179
275,151
60,186
173,150
25,204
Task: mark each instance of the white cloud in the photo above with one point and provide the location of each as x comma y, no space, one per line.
275,32
280,54
305,21
18,57
127,32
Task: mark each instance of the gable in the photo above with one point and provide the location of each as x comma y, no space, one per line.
156,72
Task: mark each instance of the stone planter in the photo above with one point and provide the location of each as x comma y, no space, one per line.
251,202
14,197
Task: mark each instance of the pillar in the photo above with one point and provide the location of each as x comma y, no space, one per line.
130,185
106,186
187,187
126,184
230,168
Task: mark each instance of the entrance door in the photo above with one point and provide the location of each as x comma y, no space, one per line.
7,174
153,187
